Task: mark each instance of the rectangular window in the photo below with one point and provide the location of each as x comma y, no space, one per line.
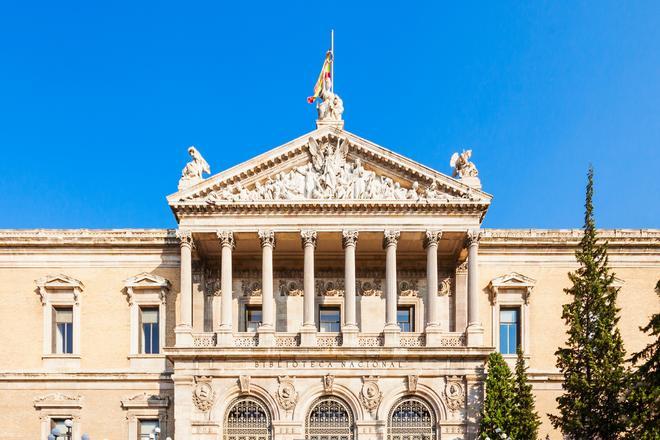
147,427
61,428
405,317
329,319
63,330
509,330
150,343
252,318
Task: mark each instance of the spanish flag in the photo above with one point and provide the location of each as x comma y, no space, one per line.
325,73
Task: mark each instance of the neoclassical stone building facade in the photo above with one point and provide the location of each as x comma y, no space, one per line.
327,289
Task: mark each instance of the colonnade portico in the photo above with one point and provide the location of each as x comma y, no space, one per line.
432,327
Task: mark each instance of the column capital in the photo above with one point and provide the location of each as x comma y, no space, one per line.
226,238
308,237
185,237
267,237
473,237
390,237
431,238
349,237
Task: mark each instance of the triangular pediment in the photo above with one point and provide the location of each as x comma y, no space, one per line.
512,280
59,282
147,280
328,165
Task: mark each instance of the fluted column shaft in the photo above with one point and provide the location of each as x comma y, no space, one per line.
227,242
267,245
349,241
431,245
185,301
309,244
473,277
390,241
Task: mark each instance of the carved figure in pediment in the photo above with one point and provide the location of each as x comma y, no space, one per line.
193,172
462,165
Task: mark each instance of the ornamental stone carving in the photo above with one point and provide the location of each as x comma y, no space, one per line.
444,287
251,288
330,287
462,165
203,395
408,288
267,238
308,237
370,287
370,395
454,393
349,238
431,238
390,237
212,282
185,237
244,384
286,393
411,382
289,287
226,238
328,382
473,237
194,170
330,175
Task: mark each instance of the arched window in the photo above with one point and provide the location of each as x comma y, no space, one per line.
411,419
329,418
247,419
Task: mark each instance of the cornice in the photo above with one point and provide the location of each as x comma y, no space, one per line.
87,237
568,237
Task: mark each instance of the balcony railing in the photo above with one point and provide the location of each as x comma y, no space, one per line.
329,340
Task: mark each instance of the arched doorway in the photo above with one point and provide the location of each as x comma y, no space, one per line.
329,419
247,419
412,419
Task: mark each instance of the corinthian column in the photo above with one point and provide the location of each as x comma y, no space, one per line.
475,329
432,322
227,242
184,327
392,329
308,331
267,328
350,329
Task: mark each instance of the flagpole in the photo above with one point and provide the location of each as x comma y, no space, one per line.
332,65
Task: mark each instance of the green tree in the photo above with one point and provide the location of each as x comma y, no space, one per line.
592,361
527,420
644,399
498,411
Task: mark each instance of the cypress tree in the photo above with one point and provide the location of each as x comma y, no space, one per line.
592,361
498,404
644,400
527,420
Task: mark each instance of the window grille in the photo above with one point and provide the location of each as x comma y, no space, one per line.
248,419
411,419
329,419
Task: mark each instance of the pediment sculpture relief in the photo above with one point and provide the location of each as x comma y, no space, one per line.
194,170
330,175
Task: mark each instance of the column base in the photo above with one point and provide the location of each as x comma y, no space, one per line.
433,335
308,336
392,334
266,336
183,335
225,338
349,335
475,335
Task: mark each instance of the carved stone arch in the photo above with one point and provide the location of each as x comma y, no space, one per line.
225,400
311,394
393,396
330,417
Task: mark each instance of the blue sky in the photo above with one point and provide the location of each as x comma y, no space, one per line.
98,102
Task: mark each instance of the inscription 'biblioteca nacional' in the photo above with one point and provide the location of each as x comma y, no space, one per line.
328,364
